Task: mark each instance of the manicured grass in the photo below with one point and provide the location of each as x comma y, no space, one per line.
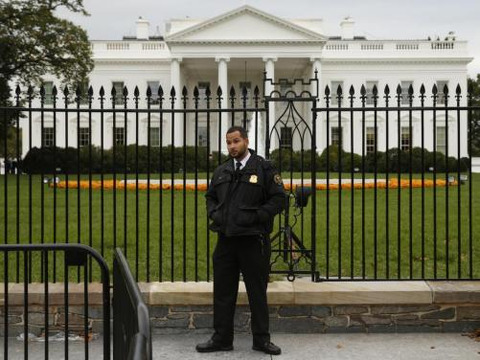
179,247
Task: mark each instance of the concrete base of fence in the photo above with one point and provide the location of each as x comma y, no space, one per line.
295,307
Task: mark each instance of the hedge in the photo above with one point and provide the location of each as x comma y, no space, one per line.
71,161
289,160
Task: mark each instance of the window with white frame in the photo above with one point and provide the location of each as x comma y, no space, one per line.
83,136
405,86
202,93
48,87
48,137
154,136
83,86
336,135
441,87
119,136
202,136
333,91
286,137
441,140
369,89
118,85
371,139
405,138
154,85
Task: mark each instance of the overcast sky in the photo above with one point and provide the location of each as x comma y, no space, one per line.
375,19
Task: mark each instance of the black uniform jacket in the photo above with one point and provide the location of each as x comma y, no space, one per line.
245,203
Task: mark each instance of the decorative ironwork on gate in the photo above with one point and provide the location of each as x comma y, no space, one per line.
293,247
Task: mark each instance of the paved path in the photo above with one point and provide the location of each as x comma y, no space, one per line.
294,346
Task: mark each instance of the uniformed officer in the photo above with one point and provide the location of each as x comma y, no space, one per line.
244,195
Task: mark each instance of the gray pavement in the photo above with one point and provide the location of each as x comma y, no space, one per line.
294,346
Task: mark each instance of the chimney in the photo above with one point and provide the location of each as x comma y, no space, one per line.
450,36
347,28
142,29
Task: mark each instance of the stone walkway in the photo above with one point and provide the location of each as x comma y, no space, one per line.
420,346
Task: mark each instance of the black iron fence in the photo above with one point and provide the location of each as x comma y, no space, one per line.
390,177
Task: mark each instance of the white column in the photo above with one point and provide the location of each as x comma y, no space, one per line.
178,122
270,74
222,67
25,134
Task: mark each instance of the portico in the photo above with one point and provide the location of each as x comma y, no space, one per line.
235,50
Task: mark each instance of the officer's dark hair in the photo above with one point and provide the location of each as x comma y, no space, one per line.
240,129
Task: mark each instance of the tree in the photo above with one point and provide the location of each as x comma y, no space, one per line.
34,42
474,90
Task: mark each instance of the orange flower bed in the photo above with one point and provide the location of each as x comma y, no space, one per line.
111,185
392,184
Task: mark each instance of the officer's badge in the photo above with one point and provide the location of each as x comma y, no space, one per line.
253,179
278,179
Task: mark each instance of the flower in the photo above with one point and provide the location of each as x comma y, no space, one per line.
120,185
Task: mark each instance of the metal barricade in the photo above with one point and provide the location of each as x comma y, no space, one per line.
131,321
74,256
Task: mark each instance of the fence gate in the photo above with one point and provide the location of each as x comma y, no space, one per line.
290,128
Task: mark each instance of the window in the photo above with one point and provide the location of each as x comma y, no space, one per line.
405,138
202,136
371,140
202,96
248,86
84,85
118,85
336,135
155,136
286,137
154,85
285,86
333,91
441,140
48,137
48,86
84,136
119,136
369,95
441,97
405,86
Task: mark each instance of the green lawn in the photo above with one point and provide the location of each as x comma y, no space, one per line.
180,247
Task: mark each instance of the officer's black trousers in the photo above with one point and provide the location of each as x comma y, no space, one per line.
249,255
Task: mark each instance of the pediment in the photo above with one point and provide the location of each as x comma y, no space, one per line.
245,24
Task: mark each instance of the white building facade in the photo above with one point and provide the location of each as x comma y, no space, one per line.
235,49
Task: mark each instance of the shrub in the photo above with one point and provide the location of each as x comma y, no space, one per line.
168,159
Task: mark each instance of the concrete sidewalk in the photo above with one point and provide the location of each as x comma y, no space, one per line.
294,346
330,346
